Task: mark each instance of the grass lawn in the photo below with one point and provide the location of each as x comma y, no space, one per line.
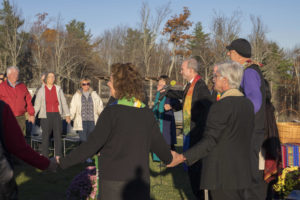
34,184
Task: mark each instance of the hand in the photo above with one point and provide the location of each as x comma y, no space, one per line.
53,165
57,159
31,119
167,107
68,119
177,159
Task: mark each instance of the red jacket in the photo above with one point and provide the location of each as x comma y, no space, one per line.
18,98
15,143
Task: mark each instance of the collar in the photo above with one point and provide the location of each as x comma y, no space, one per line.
231,93
10,84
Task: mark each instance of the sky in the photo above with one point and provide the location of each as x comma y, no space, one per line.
281,17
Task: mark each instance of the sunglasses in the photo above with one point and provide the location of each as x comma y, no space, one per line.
84,84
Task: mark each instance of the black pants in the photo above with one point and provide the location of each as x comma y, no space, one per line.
257,191
194,172
53,122
227,194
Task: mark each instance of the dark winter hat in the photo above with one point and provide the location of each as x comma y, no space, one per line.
241,46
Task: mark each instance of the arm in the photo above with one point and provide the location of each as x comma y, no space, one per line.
175,94
158,144
100,104
30,108
216,123
73,107
38,100
16,144
64,104
94,143
251,84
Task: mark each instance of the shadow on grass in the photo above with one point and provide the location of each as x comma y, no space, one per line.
180,179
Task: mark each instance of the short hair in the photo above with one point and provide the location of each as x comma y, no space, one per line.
192,64
12,68
233,71
165,78
47,74
127,81
85,79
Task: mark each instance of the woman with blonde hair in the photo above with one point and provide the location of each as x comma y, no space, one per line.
85,108
124,134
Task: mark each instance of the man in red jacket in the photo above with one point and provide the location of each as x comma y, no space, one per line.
16,95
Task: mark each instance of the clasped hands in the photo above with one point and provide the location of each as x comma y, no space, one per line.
54,162
177,159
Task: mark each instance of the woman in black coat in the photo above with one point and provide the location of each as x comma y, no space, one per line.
124,135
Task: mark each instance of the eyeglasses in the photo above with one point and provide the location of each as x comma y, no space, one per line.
84,84
215,76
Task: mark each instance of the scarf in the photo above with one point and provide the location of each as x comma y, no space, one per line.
159,111
231,92
133,102
187,107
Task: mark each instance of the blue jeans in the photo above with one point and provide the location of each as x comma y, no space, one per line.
88,127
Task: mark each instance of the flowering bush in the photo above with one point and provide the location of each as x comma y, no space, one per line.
84,185
288,181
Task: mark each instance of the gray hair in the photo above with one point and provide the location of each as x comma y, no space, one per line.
192,64
9,69
233,71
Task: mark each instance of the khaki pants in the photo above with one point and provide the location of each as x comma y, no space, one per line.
22,123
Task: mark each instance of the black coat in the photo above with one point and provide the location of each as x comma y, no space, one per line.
201,102
225,146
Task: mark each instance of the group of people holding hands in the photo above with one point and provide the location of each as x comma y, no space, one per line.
222,137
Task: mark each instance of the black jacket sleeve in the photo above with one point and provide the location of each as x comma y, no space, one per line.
159,146
216,123
94,143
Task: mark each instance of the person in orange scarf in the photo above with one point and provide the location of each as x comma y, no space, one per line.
196,100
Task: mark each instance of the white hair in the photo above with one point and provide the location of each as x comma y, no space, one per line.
9,69
192,63
233,71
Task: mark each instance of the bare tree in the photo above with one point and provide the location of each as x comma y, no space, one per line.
224,30
150,29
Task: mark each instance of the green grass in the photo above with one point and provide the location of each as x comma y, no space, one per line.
34,184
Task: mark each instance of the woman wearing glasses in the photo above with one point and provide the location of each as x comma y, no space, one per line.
85,108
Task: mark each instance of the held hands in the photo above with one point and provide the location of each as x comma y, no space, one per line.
68,119
54,162
53,165
167,107
177,159
31,119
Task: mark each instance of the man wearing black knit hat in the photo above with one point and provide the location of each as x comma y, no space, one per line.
253,87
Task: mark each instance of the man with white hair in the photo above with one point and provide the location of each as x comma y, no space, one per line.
226,144
196,101
17,96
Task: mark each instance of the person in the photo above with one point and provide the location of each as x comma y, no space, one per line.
51,105
196,102
85,108
125,133
12,142
17,96
164,114
271,145
225,146
1,77
253,86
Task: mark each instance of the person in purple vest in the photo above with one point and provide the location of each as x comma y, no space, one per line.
253,86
